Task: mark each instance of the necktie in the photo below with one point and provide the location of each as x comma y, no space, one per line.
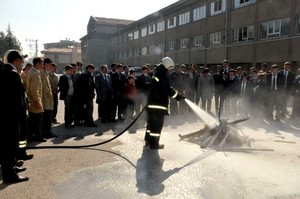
243,88
274,83
105,79
285,77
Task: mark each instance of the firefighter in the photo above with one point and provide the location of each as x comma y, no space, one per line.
158,101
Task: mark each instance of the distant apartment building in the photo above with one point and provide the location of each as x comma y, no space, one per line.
94,44
205,32
63,53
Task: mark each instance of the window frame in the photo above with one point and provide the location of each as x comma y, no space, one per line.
199,13
144,32
136,34
217,3
274,29
171,45
184,18
236,38
144,51
239,4
215,38
151,29
196,40
184,43
172,22
160,26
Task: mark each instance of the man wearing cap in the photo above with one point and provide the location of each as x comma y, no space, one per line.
13,111
225,66
158,102
275,85
289,78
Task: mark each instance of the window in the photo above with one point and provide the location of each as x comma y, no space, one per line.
136,52
155,50
124,53
184,43
119,39
144,32
56,58
241,3
172,23
276,28
215,38
152,49
130,36
197,41
217,7
152,29
144,51
130,53
184,18
136,34
160,26
171,45
199,13
243,34
298,25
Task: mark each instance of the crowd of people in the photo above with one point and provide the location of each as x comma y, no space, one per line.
261,93
31,103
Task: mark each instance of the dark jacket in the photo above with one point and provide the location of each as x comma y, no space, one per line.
63,85
160,90
103,88
118,81
85,86
143,83
280,82
12,106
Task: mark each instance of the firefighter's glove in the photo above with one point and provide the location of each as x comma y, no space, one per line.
180,96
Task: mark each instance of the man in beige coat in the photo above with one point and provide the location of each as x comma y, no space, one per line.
47,98
34,94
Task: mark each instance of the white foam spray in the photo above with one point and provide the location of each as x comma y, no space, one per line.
210,121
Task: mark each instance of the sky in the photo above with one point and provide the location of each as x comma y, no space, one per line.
50,21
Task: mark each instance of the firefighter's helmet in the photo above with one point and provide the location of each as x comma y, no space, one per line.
167,62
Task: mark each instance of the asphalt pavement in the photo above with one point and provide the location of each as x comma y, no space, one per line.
125,168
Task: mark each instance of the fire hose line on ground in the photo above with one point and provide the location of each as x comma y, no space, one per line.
89,145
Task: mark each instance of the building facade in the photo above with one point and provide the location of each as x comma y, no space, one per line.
245,32
94,44
63,53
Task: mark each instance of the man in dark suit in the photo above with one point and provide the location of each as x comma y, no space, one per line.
289,78
118,80
66,88
245,94
86,91
13,111
274,86
104,94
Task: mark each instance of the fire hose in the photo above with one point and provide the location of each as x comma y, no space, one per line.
89,145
